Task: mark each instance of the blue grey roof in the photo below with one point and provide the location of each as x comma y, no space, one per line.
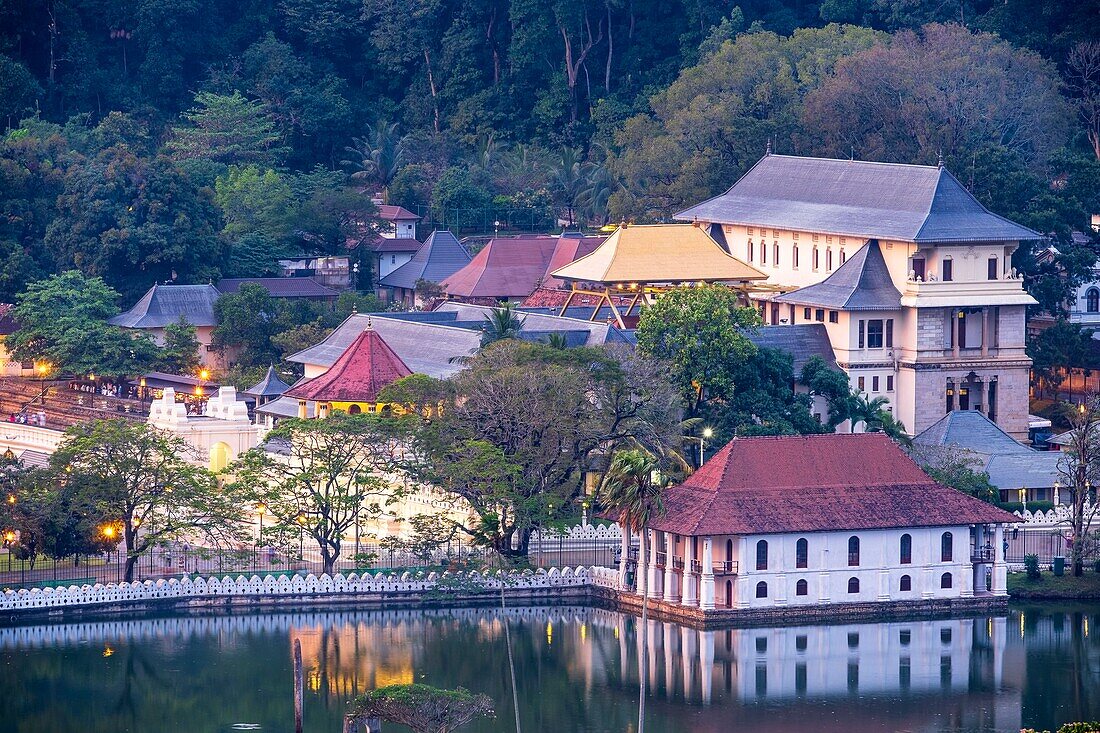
913,203
441,256
269,386
861,283
971,430
802,342
1009,463
165,304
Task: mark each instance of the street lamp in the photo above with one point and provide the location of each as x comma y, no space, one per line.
708,433
204,374
261,509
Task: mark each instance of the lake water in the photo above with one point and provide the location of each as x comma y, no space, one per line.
576,669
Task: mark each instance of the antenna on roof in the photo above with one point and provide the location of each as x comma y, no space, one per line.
852,153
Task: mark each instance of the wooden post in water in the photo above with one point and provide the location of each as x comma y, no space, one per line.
298,685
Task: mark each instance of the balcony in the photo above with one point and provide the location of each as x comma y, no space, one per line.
677,563
728,567
956,293
662,558
981,554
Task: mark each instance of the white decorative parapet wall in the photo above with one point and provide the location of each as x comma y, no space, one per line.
296,585
587,534
1060,514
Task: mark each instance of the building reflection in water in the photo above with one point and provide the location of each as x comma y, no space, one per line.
579,665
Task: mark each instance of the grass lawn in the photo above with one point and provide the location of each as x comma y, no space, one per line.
45,563
1049,586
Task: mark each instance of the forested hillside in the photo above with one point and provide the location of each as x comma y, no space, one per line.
151,140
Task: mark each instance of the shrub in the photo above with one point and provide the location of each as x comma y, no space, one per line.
1032,506
1031,564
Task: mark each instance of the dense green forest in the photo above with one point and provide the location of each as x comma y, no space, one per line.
150,140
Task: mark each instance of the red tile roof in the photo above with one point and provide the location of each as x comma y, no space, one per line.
815,483
367,365
396,213
513,267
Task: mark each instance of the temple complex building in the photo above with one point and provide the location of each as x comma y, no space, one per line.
910,274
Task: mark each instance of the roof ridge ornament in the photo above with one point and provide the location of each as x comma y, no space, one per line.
939,158
768,149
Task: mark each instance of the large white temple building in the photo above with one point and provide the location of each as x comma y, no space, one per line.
910,275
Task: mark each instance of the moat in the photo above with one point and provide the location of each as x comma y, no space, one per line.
576,669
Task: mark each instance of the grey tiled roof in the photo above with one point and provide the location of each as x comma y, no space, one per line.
598,333
279,287
971,430
801,341
164,304
269,386
441,256
426,348
861,283
1009,463
913,203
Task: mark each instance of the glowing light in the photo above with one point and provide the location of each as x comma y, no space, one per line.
708,433
204,374
109,531
261,509
11,498
549,632
108,651
584,632
9,536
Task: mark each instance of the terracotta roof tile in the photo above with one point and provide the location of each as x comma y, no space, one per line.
513,267
365,367
815,483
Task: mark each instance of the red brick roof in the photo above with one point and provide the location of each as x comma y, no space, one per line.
365,367
815,483
396,213
512,267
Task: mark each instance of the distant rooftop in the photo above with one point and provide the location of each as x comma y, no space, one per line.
861,283
279,287
165,304
438,258
911,203
513,267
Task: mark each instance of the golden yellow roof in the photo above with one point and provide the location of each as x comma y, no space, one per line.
658,253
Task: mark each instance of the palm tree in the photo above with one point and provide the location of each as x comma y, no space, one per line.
557,341
377,156
632,489
500,324
567,180
863,410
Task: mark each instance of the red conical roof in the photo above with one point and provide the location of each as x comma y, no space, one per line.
365,367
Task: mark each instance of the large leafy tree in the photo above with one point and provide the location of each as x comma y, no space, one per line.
134,221
146,486
247,321
228,129
700,332
322,477
1080,471
1062,346
517,430
63,322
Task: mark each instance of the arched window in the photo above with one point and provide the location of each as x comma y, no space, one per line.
802,553
906,549
853,551
946,547
761,590
729,594
1092,301
762,555
945,580
729,550
801,588
906,583
853,585
354,410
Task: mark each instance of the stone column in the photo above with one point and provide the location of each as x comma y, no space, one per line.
652,569
624,558
706,589
688,596
671,586
1000,571
955,333
985,332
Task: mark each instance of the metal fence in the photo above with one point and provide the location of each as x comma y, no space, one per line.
182,560
1045,543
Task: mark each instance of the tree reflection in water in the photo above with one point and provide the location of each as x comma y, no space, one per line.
577,670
